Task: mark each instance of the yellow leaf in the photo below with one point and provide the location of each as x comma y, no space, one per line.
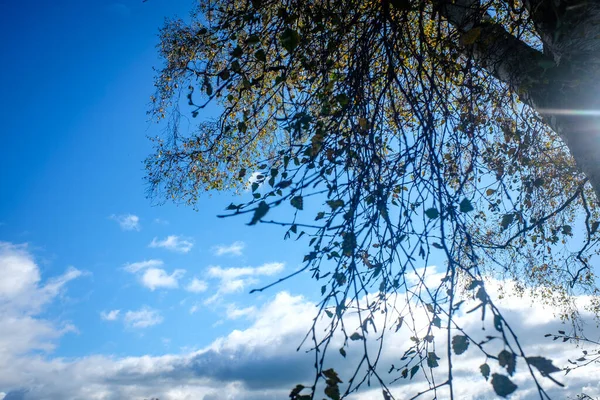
363,123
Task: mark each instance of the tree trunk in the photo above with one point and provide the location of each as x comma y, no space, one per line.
562,83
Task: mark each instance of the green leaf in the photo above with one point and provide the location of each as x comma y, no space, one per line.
356,336
413,371
399,324
507,360
224,75
260,55
498,323
332,375
259,212
543,365
460,344
507,219
343,352
296,391
289,39
349,243
432,213
297,202
502,385
485,371
342,99
237,52
432,360
284,184
335,204
466,206
333,392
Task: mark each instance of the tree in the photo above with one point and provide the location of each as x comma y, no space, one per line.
397,131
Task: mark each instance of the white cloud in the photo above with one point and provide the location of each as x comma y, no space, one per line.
23,297
233,273
234,280
127,222
143,318
234,312
196,286
173,243
154,278
138,266
234,249
194,309
261,362
111,315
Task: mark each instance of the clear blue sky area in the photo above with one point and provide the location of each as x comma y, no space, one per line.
76,80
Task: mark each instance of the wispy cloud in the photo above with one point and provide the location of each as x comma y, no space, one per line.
196,286
127,222
233,280
234,312
234,249
156,278
138,266
111,315
173,243
143,318
233,273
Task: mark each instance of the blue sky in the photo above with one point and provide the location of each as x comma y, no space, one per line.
79,83
97,279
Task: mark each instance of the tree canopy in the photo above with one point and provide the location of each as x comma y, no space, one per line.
397,131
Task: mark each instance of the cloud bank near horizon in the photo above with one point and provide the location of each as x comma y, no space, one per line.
258,362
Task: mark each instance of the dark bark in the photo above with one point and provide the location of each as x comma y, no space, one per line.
561,83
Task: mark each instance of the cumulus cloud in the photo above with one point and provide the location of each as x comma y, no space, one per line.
23,299
261,362
155,278
111,315
196,286
127,222
234,249
143,318
173,243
